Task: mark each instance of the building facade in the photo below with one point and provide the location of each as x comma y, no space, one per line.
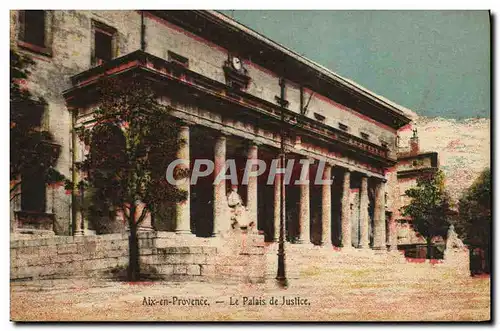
230,87
412,165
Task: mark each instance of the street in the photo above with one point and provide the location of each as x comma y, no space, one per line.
371,294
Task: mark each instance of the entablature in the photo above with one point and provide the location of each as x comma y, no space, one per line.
192,87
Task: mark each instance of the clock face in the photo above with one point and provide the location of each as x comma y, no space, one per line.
236,63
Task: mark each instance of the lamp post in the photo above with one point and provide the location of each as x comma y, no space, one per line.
281,274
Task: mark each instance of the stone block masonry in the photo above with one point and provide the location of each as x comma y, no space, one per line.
162,256
64,256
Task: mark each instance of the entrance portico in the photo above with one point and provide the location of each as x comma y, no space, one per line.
226,130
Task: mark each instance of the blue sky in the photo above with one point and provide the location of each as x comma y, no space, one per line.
436,63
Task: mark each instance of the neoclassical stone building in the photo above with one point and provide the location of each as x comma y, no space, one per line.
229,86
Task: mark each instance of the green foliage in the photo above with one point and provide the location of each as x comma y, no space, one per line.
99,212
430,207
474,221
32,149
131,143
130,146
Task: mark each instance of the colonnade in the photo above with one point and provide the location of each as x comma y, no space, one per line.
221,223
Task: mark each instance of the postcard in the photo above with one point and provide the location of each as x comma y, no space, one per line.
203,165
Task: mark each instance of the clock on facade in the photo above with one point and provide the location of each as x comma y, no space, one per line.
236,73
236,62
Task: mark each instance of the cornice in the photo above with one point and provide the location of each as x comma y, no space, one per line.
201,89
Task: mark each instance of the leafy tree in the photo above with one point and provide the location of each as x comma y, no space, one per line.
32,149
474,222
430,208
130,146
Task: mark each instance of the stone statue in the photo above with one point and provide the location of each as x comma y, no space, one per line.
238,213
452,241
456,253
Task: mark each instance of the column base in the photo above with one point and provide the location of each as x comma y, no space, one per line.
379,248
184,232
78,233
347,248
217,235
393,249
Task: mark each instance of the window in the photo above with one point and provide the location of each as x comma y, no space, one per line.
34,27
416,163
104,43
178,59
32,192
343,127
35,32
319,117
365,136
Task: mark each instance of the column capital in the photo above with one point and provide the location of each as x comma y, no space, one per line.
254,142
309,159
328,164
188,123
345,168
223,133
376,178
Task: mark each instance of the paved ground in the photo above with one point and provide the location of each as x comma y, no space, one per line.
347,295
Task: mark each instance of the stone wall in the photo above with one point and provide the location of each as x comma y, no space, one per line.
65,256
163,255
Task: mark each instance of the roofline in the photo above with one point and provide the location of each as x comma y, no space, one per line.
433,155
416,172
417,156
318,67
218,29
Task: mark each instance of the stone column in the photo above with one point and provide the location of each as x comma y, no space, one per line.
76,197
277,203
346,241
252,186
326,207
364,219
304,207
79,226
379,217
183,221
146,224
393,240
220,199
